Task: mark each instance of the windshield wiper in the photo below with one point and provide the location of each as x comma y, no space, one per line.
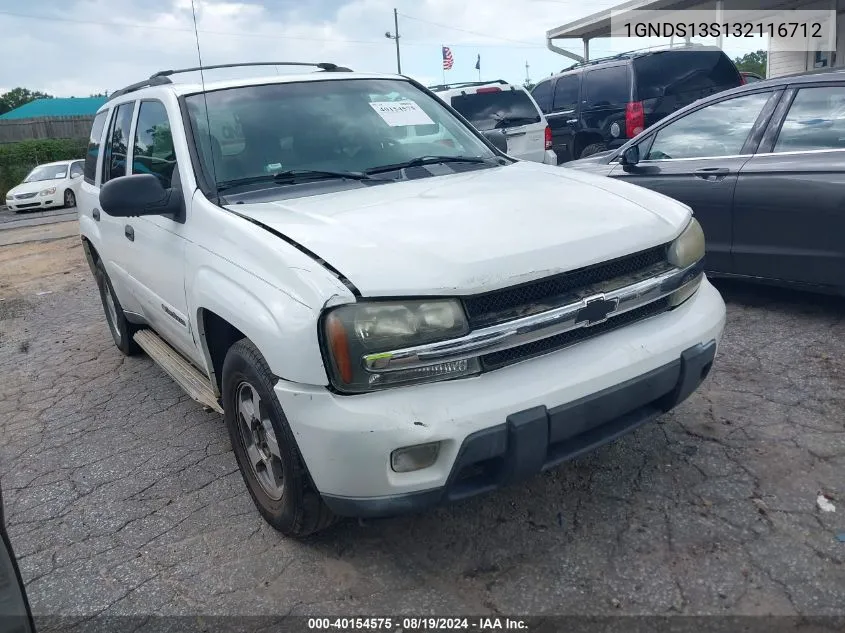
427,160
291,175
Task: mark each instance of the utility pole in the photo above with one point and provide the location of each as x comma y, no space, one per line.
527,76
395,37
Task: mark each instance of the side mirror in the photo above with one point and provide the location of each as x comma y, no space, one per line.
139,194
631,156
498,139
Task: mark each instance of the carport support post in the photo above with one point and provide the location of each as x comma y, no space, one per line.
586,49
720,5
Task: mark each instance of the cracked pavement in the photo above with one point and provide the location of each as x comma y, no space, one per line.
123,497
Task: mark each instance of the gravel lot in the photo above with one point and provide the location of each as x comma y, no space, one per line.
123,497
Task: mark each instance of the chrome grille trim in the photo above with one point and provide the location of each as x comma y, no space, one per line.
534,327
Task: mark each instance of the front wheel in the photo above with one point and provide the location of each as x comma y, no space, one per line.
70,199
264,446
121,329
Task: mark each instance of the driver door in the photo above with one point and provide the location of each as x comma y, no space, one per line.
696,159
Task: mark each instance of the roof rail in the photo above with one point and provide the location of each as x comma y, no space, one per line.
163,76
635,52
152,81
466,84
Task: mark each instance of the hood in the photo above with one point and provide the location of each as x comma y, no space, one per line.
473,232
35,187
600,158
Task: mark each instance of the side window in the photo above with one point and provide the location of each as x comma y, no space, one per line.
153,152
607,86
76,168
117,142
720,129
566,93
90,168
816,120
542,94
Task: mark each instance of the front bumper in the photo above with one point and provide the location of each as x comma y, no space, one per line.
33,204
514,421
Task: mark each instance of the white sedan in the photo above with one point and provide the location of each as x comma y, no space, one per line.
47,186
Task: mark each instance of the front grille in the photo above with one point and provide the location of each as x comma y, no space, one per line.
496,360
509,303
25,196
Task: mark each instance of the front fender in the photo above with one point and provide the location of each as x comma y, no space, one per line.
284,329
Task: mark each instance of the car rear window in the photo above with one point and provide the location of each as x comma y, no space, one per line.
673,73
500,109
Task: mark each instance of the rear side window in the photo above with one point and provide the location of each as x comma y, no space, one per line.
500,109
816,120
90,170
607,86
566,93
542,94
153,152
695,74
76,168
117,143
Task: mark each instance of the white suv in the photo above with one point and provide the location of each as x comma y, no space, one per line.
498,105
384,325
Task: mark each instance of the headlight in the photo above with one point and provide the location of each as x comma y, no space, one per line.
685,251
351,331
48,192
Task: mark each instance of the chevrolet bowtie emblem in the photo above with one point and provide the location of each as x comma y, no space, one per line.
596,310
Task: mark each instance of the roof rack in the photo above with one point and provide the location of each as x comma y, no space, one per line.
466,84
634,53
163,76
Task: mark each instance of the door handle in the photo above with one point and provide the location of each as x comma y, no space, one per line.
129,232
712,173
96,214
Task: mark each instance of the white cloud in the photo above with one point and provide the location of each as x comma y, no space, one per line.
84,48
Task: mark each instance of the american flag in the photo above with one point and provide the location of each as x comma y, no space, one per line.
447,58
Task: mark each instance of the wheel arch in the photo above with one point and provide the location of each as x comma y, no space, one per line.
583,139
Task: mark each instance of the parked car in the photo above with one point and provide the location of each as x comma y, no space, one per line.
384,326
750,78
15,614
498,105
598,105
47,186
763,168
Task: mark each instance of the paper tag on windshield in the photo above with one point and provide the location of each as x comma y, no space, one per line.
400,113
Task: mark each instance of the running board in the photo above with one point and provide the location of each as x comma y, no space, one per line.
181,371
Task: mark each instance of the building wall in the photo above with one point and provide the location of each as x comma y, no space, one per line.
15,130
781,62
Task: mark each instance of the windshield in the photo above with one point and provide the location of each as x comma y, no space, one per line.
499,109
343,126
46,172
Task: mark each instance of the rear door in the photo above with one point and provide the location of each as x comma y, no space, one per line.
604,97
563,115
666,81
510,110
789,205
696,159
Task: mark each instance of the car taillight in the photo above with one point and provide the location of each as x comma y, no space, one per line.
548,137
483,90
742,81
634,118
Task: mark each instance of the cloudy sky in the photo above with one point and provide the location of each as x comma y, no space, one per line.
78,47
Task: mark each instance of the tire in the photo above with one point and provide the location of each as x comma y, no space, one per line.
592,148
70,199
121,330
269,460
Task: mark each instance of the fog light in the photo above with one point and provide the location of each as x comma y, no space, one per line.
405,460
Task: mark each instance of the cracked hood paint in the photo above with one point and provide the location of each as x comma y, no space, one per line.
473,232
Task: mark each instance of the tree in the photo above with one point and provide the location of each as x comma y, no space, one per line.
752,63
100,94
17,97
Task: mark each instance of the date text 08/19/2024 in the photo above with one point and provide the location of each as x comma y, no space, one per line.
417,624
